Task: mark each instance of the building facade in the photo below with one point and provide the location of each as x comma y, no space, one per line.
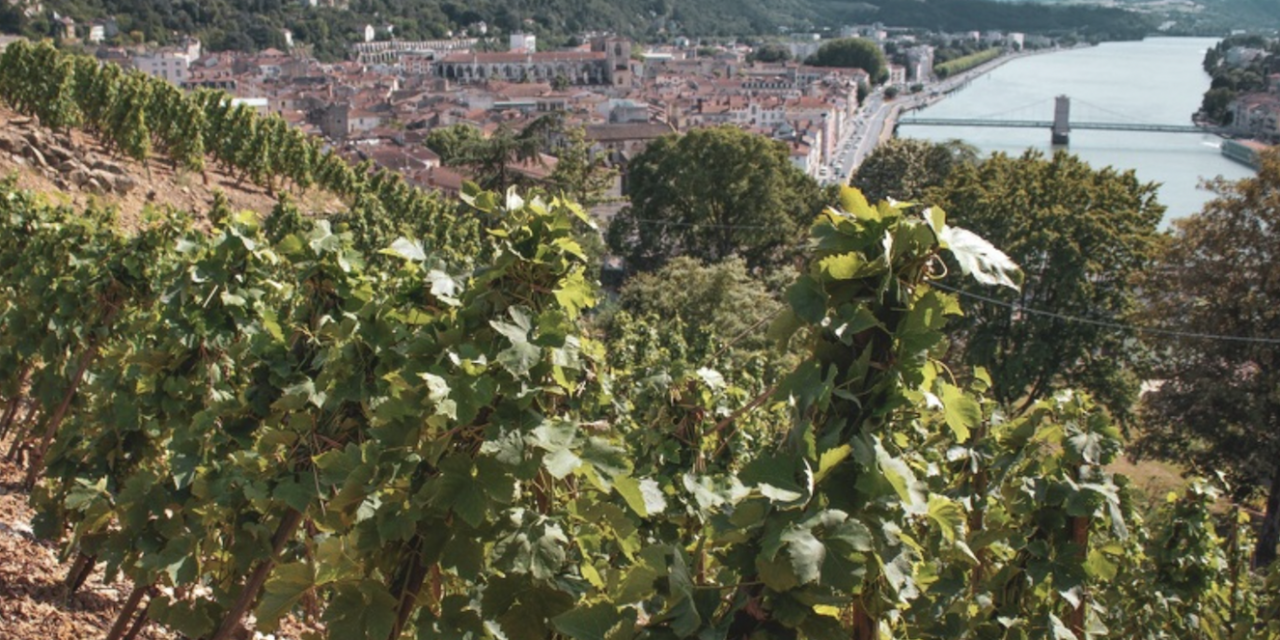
609,62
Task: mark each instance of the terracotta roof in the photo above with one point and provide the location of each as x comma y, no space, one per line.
628,131
807,102
539,169
439,178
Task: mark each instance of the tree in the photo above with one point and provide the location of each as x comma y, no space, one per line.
711,194
1215,104
1081,236
1216,407
851,52
905,168
771,53
11,18
492,160
709,306
581,177
449,142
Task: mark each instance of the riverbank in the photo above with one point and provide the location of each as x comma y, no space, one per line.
939,91
877,124
1156,82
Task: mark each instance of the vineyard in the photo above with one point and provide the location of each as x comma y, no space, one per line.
399,422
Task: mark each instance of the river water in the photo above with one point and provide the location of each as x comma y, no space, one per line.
1156,81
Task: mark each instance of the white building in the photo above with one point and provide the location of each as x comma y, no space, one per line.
897,75
920,63
1243,56
523,43
369,33
801,50
874,32
259,105
169,63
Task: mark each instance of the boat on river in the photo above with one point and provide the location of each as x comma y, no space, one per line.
1243,151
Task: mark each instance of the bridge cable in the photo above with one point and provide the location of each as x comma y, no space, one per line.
1171,333
991,116
998,114
1124,117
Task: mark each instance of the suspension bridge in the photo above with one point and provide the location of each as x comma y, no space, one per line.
1061,126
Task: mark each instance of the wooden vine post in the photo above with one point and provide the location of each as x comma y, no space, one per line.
289,524
1080,539
126,614
14,403
59,414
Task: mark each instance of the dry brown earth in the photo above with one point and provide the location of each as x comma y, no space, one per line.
74,168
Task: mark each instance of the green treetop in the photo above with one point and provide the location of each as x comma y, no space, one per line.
712,194
1081,235
857,53
1216,408
905,169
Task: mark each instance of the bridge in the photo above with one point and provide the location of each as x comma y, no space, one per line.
1060,127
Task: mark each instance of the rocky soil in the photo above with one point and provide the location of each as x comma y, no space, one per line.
33,602
74,168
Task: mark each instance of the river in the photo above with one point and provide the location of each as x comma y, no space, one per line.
1156,81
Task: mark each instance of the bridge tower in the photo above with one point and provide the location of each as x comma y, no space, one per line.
1062,120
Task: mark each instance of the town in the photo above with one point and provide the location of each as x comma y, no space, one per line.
381,103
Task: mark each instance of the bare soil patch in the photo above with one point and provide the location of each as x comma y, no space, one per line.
76,169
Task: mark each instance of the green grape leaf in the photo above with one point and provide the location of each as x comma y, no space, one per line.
286,586
594,622
192,619
806,553
643,496
898,473
530,617
852,200
638,583
575,294
776,573
948,515
808,300
774,476
361,610
822,627
962,413
296,492
844,266
936,218
828,461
